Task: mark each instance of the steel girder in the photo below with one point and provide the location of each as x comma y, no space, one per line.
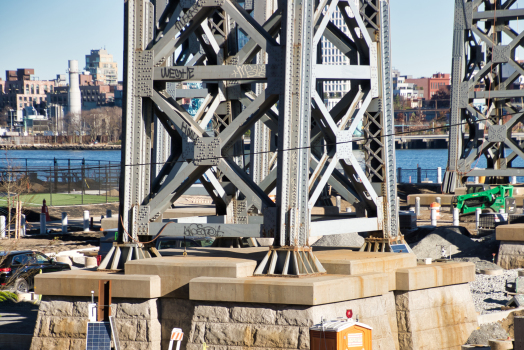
485,43
267,86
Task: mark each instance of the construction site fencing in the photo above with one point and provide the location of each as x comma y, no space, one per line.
488,222
74,182
418,175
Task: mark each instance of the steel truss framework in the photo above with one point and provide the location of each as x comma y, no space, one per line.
272,86
486,38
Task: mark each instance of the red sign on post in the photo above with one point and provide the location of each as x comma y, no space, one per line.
349,313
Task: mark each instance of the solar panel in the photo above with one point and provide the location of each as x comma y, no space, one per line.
399,248
98,336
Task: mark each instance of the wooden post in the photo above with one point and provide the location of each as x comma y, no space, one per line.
104,300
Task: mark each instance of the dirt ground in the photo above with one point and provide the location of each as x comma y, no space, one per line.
55,241
73,211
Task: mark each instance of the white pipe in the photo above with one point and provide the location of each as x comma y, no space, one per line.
477,217
73,97
23,225
433,216
2,226
456,217
42,224
64,222
86,220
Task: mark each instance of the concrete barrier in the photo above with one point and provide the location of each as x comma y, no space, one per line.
64,259
90,262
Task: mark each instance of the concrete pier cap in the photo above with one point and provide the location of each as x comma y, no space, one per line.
227,274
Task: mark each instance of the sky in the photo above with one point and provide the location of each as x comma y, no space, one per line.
44,35
422,36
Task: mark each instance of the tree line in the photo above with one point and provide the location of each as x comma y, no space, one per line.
104,121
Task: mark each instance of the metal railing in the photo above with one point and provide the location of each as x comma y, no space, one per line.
61,185
419,175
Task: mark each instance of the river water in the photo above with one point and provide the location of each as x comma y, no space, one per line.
406,158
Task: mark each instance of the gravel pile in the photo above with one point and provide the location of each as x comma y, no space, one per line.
427,242
343,240
485,332
488,292
480,264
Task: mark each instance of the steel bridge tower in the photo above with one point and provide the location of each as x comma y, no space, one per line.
271,84
486,107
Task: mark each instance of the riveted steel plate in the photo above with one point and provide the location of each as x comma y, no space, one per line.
207,151
344,144
464,95
240,211
461,165
497,133
144,74
188,148
501,54
142,220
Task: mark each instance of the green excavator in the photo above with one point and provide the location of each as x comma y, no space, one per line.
486,198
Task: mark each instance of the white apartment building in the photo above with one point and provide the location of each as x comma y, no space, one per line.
101,66
334,90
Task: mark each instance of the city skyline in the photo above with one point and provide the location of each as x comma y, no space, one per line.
61,30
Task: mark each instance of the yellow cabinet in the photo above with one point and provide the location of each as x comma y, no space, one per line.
340,335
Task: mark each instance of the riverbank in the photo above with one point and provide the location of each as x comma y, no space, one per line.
55,147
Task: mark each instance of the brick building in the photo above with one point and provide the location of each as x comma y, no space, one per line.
94,94
431,85
21,90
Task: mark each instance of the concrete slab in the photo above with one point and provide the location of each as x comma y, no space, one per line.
82,282
288,290
514,232
325,211
347,262
427,198
176,271
434,275
334,259
183,211
496,316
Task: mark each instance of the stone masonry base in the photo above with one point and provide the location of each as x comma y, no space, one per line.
435,318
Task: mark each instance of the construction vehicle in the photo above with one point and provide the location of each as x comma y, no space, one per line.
486,198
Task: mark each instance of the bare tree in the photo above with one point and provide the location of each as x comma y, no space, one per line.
95,119
4,116
114,122
76,125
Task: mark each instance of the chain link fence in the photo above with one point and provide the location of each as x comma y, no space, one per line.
419,175
67,182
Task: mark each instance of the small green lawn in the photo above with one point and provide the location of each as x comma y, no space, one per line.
60,199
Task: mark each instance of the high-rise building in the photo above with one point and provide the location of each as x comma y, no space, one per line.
101,66
334,90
